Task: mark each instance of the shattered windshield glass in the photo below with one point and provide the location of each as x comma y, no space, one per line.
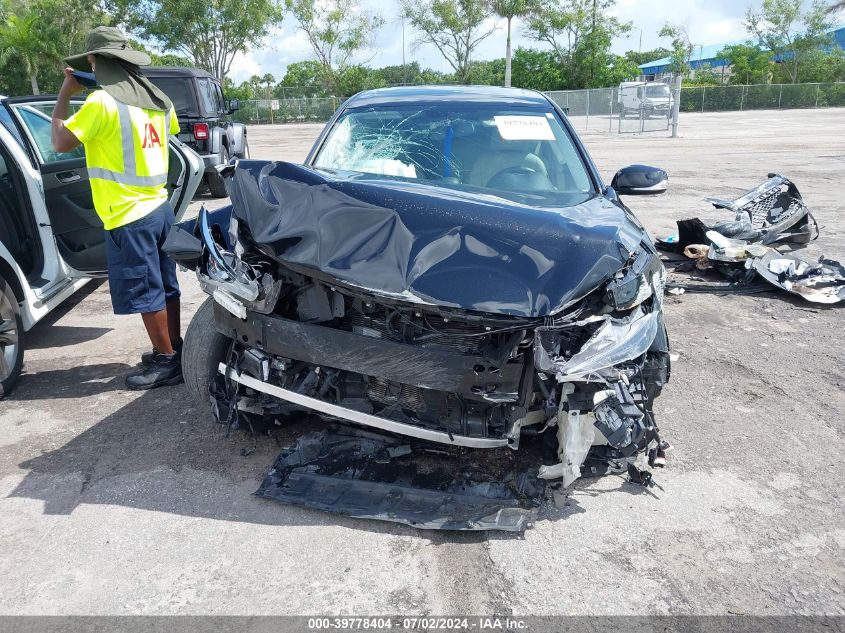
523,154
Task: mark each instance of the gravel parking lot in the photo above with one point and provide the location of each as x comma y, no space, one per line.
115,502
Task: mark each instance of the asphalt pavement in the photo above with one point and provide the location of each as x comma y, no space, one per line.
117,502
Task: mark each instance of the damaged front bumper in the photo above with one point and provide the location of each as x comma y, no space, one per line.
582,382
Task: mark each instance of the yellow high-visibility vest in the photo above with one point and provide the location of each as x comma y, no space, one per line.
126,155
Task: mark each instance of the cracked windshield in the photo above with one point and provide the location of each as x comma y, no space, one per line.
524,155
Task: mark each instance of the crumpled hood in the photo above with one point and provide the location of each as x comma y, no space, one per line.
430,244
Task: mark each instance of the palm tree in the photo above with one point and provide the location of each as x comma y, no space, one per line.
510,9
20,39
268,80
255,84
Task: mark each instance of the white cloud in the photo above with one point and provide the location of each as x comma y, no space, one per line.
244,66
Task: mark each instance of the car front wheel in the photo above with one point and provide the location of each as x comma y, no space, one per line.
11,340
202,352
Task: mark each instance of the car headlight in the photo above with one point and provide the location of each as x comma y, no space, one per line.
643,279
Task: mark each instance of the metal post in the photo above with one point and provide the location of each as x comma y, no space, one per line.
780,96
587,125
818,89
610,118
621,114
703,92
741,98
676,107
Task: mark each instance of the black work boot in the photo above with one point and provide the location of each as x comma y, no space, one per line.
163,370
147,357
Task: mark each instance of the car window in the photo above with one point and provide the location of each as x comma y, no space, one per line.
7,122
179,92
524,154
657,90
208,96
37,124
221,102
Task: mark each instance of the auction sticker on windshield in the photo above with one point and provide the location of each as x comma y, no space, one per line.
524,128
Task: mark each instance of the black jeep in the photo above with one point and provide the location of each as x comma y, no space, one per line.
201,108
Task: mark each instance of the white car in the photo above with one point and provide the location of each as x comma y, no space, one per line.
51,239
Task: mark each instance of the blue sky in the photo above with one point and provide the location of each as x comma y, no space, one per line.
708,22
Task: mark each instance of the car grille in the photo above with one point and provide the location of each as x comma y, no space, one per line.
457,336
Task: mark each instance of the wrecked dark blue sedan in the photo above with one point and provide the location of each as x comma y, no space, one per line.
447,266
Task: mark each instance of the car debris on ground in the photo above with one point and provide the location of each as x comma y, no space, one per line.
752,247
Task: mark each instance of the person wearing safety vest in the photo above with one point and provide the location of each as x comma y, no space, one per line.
124,128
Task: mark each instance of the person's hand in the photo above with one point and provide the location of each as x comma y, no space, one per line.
70,86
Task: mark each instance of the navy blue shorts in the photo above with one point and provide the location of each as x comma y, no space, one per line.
142,278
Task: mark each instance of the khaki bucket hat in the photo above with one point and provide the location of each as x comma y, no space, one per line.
108,42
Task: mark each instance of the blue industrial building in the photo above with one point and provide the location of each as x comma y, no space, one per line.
708,56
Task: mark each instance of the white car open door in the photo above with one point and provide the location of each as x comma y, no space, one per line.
77,229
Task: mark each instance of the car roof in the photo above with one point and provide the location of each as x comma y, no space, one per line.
174,71
434,94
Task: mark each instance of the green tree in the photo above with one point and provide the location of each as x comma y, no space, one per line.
488,72
537,69
435,77
749,63
268,80
454,27
790,33
209,32
35,35
401,74
682,47
20,41
356,78
643,57
231,91
822,65
305,73
337,30
580,32
510,9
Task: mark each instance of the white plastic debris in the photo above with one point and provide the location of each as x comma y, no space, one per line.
780,266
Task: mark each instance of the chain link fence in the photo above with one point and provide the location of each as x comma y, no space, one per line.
613,111
762,97
305,110
597,111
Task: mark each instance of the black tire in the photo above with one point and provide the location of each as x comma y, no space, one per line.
11,340
216,183
203,350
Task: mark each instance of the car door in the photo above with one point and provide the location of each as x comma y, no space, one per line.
77,229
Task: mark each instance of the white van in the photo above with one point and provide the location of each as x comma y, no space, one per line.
646,99
51,240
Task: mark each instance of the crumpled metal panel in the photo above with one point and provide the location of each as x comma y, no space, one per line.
371,475
430,244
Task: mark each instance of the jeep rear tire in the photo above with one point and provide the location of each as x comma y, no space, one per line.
216,183
202,352
11,340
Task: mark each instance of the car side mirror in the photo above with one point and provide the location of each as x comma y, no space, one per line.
640,180
234,104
